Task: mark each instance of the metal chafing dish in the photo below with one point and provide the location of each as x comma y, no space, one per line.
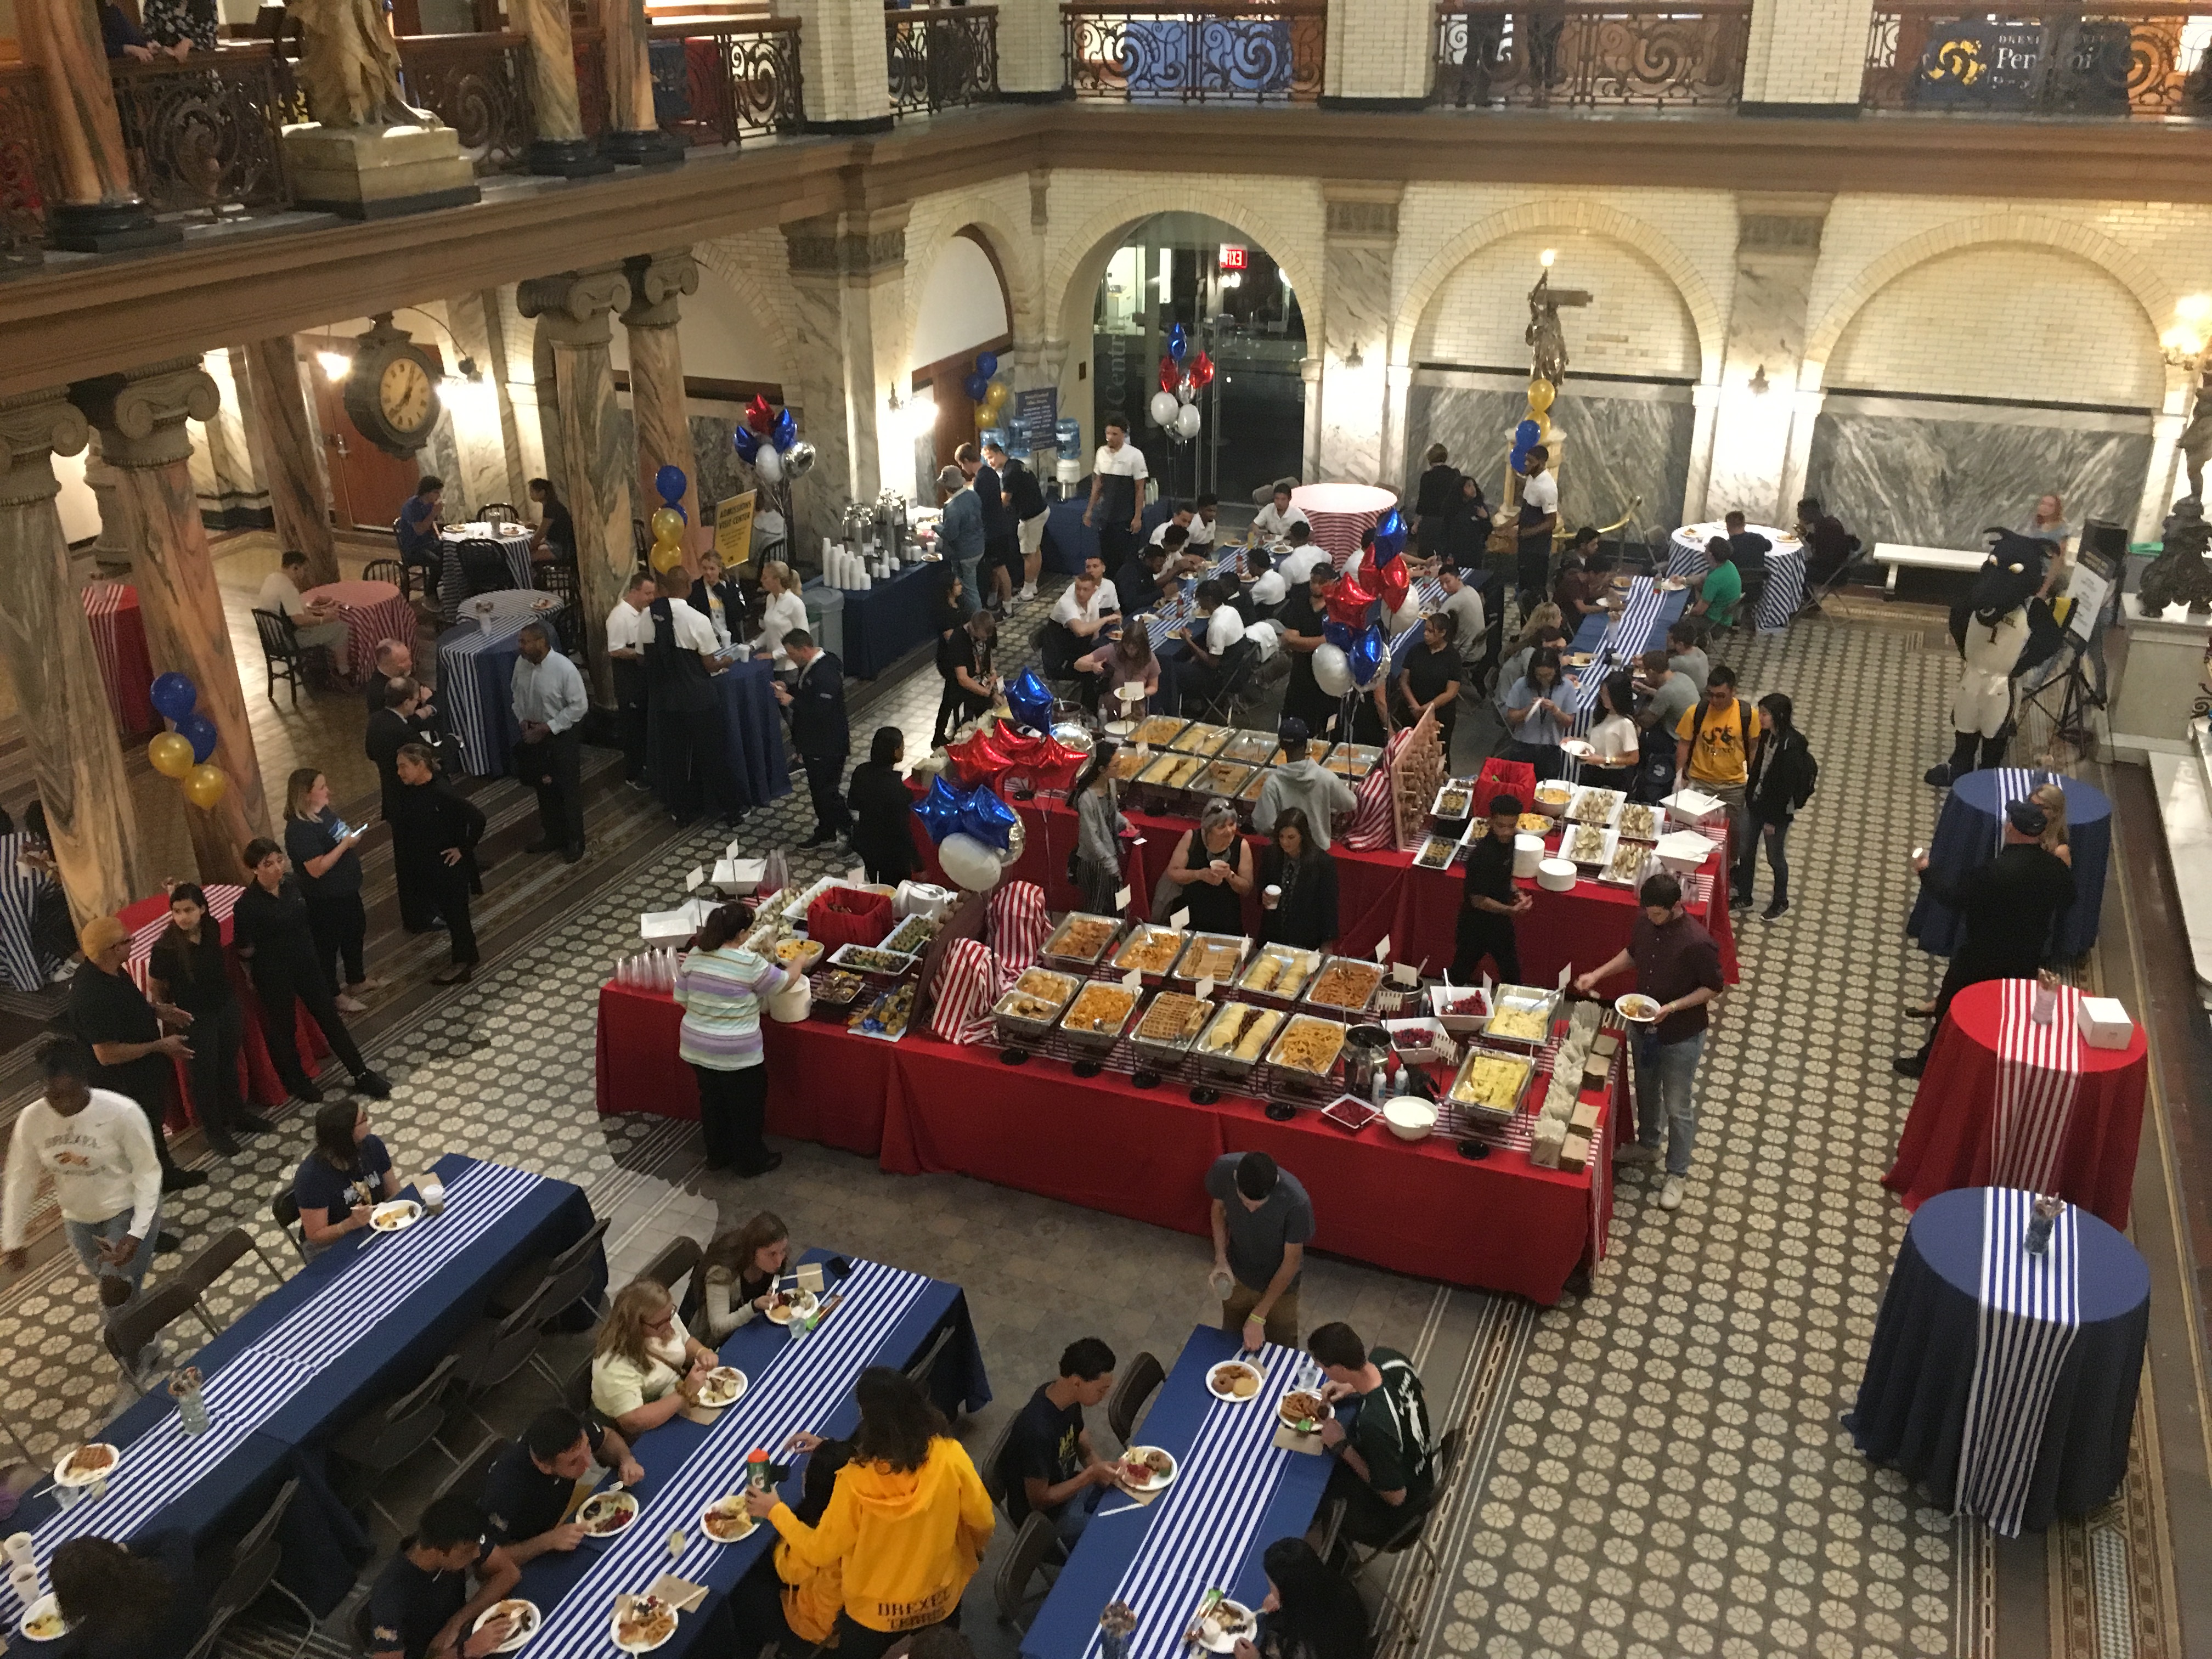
1081,938
1223,1047
1489,1085
1340,978
1279,973
1034,1005
1101,1012
1512,1005
1217,957
1170,1024
1152,949
1307,1053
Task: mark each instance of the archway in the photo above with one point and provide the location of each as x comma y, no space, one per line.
964,309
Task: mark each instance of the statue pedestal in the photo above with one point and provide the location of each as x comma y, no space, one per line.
2160,681
377,172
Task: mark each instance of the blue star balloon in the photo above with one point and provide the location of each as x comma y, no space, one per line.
1337,633
668,483
1178,344
1390,537
986,818
1366,655
785,432
746,442
938,810
1031,701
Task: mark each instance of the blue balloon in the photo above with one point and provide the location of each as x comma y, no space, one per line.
986,818
938,810
669,484
1519,460
1031,701
1390,537
987,363
1526,434
1178,344
975,386
1337,633
1367,655
746,442
198,731
785,432
172,696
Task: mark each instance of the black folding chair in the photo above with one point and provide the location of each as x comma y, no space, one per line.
285,1209
394,1431
1412,1533
1133,1391
1238,666
281,655
217,1259
142,1322
473,1470
924,1367
251,1573
483,567
1036,1546
493,1352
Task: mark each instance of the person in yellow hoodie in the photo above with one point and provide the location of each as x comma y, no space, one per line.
811,1595
909,1519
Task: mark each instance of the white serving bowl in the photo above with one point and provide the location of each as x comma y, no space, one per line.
1552,809
1409,1117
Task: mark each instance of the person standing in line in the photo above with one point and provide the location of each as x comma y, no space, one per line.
1262,1220
133,1056
1303,908
1002,548
272,932
1026,504
1489,901
1435,500
1678,967
550,705
960,536
1430,679
965,661
1712,750
1099,825
690,762
819,732
1533,712
1116,506
1540,518
718,986
434,843
326,857
1670,695
98,1149
883,810
627,630
783,610
1783,774
1616,754
1301,781
1685,654
190,967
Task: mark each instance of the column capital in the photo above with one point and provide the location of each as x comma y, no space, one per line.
657,281
140,413
34,427
576,305
1361,212
847,244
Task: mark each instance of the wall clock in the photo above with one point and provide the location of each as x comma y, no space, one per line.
392,391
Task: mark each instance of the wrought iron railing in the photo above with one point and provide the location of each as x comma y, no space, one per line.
2102,60
1594,55
29,177
1253,52
734,79
479,86
202,135
941,57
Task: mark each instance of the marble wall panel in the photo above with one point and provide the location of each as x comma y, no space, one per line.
1614,449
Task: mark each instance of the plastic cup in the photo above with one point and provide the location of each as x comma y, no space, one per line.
1222,1283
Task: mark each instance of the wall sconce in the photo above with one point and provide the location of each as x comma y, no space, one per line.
2183,345
1758,383
335,364
1356,359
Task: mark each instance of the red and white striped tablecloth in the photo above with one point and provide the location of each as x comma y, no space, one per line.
371,611
119,639
1340,513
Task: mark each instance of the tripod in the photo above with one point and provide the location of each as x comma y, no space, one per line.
2067,685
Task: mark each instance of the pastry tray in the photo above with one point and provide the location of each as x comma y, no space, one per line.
1227,1061
1437,851
1586,794
1056,948
1060,989
1140,935
1458,790
1648,859
888,964
1373,973
1190,968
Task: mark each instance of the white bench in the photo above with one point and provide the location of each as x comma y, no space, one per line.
1897,555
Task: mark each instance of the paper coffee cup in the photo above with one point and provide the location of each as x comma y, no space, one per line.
1270,898
22,1550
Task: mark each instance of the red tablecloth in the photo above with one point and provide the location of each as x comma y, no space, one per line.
1380,894
119,639
371,611
925,1106
1341,512
1949,1135
148,920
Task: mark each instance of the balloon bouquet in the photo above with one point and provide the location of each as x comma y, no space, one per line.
1536,427
668,521
767,441
977,836
182,753
1353,649
1174,405
987,392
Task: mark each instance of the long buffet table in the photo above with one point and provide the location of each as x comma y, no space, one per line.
920,1105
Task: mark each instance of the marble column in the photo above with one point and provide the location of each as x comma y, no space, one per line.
289,446
1362,238
224,470
140,416
560,150
633,136
110,553
45,644
99,211
848,284
573,311
512,340
844,68
1777,245
658,406
1706,402
1805,416
1381,54
2162,480
1399,469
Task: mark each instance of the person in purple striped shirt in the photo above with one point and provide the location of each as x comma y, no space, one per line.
720,987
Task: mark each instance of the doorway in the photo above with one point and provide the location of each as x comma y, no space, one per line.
368,484
1237,305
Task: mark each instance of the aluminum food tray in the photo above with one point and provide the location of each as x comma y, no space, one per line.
842,958
1522,997
1169,1050
1052,950
1309,961
1021,1025
1525,1062
1144,931
1288,1072
1186,968
1225,1062
1347,1010
1096,1042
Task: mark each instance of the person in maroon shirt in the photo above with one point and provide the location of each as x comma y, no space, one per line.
1677,965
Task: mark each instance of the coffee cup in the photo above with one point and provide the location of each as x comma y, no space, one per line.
1270,898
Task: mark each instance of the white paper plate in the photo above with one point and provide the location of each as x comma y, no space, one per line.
1223,1393
1227,1643
39,1609
1622,1005
526,1611
751,1524
724,1373
61,1478
1159,1482
396,1216
626,1501
784,1315
639,1647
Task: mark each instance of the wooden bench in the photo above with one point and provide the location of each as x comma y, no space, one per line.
1898,555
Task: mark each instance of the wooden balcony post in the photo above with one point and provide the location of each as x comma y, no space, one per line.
633,136
100,212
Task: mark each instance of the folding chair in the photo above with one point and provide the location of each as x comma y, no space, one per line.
218,1259
394,1432
142,1322
252,1571
1240,664
1034,1547
993,1474
493,1352
923,1368
470,1474
1412,1536
285,1208
1133,1391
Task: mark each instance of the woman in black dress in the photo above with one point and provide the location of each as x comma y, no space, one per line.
272,933
883,810
1434,502
1305,913
190,968
1211,866
435,832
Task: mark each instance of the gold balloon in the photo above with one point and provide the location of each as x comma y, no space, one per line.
667,525
1543,428
665,556
172,754
204,784
1540,393
996,398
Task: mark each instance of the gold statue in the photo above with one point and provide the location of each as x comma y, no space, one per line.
1546,340
349,65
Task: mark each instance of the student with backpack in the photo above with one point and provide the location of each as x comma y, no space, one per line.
1712,753
1782,778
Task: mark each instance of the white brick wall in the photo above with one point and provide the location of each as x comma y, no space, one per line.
1636,323
1806,52
1380,49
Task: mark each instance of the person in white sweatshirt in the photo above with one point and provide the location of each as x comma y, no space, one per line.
96,1148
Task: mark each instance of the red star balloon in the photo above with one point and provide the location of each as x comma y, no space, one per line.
1201,372
1349,599
1393,582
758,415
1169,374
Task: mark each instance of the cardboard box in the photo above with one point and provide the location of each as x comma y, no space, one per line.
2104,1023
1574,1151
1696,808
1586,1115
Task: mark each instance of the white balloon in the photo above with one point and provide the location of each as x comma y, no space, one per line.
1164,409
1270,589
1331,673
769,464
1186,420
970,862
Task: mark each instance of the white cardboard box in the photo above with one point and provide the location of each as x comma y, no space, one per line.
739,876
2104,1023
674,926
1695,808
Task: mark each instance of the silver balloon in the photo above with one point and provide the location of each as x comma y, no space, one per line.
798,459
1017,838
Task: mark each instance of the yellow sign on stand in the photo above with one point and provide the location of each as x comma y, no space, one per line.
733,530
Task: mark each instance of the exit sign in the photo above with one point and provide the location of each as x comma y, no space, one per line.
1232,258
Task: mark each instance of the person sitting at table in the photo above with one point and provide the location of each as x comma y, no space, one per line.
345,1177
1305,554
1304,911
909,1517
528,1491
1126,660
554,541
1686,653
720,987
2049,796
132,1056
739,1269
416,529
1719,586
316,624
1751,550
1489,901
403,719
328,866
1580,586
1386,1459
1829,550
1273,522
720,600
1211,871
1085,608
1541,628
2007,907
420,1605
1309,1612
549,704
781,611
135,1601
1302,782
646,1366
435,832
1049,1467
965,661
190,969
1203,675
883,810
1152,577
1537,721
1615,750
1261,1219
1099,825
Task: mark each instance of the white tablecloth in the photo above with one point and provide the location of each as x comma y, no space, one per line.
1785,568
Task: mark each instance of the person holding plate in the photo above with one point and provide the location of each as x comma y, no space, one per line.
646,1367
342,1181
1049,1466
420,1605
528,1491
1386,1459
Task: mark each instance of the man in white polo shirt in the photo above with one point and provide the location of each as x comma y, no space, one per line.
1271,523
1085,608
1218,627
626,629
1297,565
1117,508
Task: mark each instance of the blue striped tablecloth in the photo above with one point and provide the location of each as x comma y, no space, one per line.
452,585
22,965
1234,1494
476,681
1785,568
1969,831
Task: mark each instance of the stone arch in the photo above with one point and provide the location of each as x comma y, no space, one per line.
1568,213
2125,266
984,223
731,266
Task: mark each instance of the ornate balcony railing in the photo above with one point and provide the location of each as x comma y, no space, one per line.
2103,60
479,86
721,83
1256,53
29,179
1593,55
202,134
941,57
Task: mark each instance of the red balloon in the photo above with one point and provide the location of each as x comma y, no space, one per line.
1349,599
1201,372
758,415
1169,374
1394,582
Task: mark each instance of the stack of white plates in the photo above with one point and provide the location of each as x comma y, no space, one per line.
1527,853
1556,875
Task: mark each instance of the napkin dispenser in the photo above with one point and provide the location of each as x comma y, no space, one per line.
739,876
2104,1023
920,899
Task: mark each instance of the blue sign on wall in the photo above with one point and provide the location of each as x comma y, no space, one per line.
1035,417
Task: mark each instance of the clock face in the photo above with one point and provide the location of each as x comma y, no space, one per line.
404,394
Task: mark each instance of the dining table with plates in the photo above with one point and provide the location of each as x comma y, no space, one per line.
1970,831
371,611
1785,568
513,542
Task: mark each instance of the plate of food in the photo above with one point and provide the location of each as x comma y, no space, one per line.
720,1386
1226,1624
1302,1409
1579,659
1147,1469
1625,865
643,1623
86,1464
1672,585
605,1513
1534,824
523,1620
1578,747
1586,843
1437,853
1637,1008
784,1306
395,1217
42,1620
726,1522
1234,1381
